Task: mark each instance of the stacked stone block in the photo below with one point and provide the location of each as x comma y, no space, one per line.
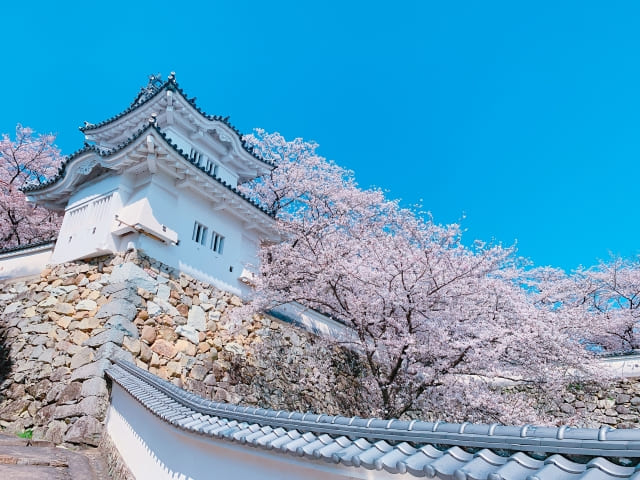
66,325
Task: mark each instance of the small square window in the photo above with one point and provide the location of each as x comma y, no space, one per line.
199,233
217,242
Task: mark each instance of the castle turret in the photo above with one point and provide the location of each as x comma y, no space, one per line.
162,176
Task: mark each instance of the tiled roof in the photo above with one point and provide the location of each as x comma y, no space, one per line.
421,449
218,179
152,90
107,152
103,152
619,354
147,92
18,248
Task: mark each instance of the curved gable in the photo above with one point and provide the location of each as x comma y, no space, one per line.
156,98
80,166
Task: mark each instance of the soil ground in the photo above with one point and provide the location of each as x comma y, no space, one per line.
22,459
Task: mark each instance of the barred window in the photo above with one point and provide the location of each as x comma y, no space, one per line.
199,233
195,155
217,242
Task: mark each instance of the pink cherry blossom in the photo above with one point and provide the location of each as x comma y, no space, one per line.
26,159
441,327
607,296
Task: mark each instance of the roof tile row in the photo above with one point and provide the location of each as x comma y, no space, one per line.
27,246
153,90
107,152
332,440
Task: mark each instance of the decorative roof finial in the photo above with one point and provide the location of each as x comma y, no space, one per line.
155,80
153,119
148,91
172,76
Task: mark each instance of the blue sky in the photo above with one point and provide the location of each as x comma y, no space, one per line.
524,117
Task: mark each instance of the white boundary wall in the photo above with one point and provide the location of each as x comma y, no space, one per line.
623,366
154,449
25,262
310,320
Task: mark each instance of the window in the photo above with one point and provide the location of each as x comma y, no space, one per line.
199,233
194,155
217,242
210,166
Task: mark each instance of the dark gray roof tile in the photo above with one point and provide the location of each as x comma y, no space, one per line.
281,442
553,471
483,463
394,446
17,248
311,447
329,450
242,434
425,456
296,446
346,455
253,438
210,429
267,440
445,467
610,468
371,457
223,429
394,460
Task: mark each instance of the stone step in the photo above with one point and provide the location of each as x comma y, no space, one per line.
22,459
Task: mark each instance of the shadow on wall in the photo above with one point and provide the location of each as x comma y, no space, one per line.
5,358
154,449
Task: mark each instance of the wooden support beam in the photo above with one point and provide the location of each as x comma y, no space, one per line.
182,183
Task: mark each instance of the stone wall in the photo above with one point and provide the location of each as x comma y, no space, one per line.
116,467
64,326
590,406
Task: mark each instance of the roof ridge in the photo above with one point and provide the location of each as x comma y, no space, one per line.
172,84
441,450
133,106
565,439
17,248
103,152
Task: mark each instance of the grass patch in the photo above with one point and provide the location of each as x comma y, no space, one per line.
26,434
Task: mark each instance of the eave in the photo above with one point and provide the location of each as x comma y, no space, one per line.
54,193
136,151
204,119
28,248
414,448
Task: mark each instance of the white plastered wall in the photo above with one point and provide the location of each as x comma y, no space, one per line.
153,449
88,218
179,210
24,263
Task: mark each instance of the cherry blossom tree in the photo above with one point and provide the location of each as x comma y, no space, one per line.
607,296
441,328
27,158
